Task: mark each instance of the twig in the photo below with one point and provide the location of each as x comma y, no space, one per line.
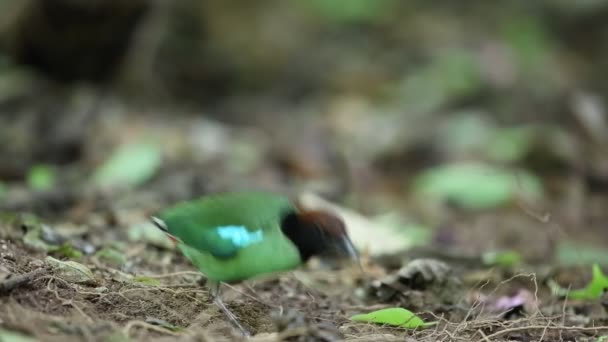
252,297
174,274
135,323
484,337
543,327
65,301
15,281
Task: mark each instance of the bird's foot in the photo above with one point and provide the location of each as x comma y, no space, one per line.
231,317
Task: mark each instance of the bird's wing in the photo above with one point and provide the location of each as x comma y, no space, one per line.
216,241
221,226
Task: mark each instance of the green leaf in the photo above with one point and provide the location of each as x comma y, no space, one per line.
452,74
528,38
66,250
398,317
510,144
71,271
146,280
129,166
41,177
465,132
111,256
502,258
475,185
13,336
594,290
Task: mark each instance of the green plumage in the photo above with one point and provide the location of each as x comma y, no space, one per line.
233,236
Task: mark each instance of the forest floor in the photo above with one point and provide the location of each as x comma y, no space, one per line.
141,289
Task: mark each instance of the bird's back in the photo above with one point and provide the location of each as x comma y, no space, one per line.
233,236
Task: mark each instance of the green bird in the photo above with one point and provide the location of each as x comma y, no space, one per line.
231,237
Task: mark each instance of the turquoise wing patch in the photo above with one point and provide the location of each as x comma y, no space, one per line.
239,235
225,241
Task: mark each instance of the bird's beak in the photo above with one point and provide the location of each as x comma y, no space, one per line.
349,249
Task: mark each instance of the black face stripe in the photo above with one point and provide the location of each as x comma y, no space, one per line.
309,235
160,224
306,238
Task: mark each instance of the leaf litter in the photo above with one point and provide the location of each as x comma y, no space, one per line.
129,284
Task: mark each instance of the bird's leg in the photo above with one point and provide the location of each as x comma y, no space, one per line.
215,292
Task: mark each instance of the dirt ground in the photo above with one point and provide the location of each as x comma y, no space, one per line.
149,292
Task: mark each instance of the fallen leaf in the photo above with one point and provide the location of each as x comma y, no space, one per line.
398,317
594,290
501,258
129,166
41,177
476,185
66,250
71,271
111,255
385,234
510,144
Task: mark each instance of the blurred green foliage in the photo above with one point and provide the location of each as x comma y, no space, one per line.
528,38
352,10
510,144
66,250
569,253
476,185
502,258
450,74
41,177
111,256
129,165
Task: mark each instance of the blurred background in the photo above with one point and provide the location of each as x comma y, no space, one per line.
472,127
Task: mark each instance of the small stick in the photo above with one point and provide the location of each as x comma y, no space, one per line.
15,281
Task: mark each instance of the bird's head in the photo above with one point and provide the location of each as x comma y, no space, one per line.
318,233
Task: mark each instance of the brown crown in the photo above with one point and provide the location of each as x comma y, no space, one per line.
329,223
